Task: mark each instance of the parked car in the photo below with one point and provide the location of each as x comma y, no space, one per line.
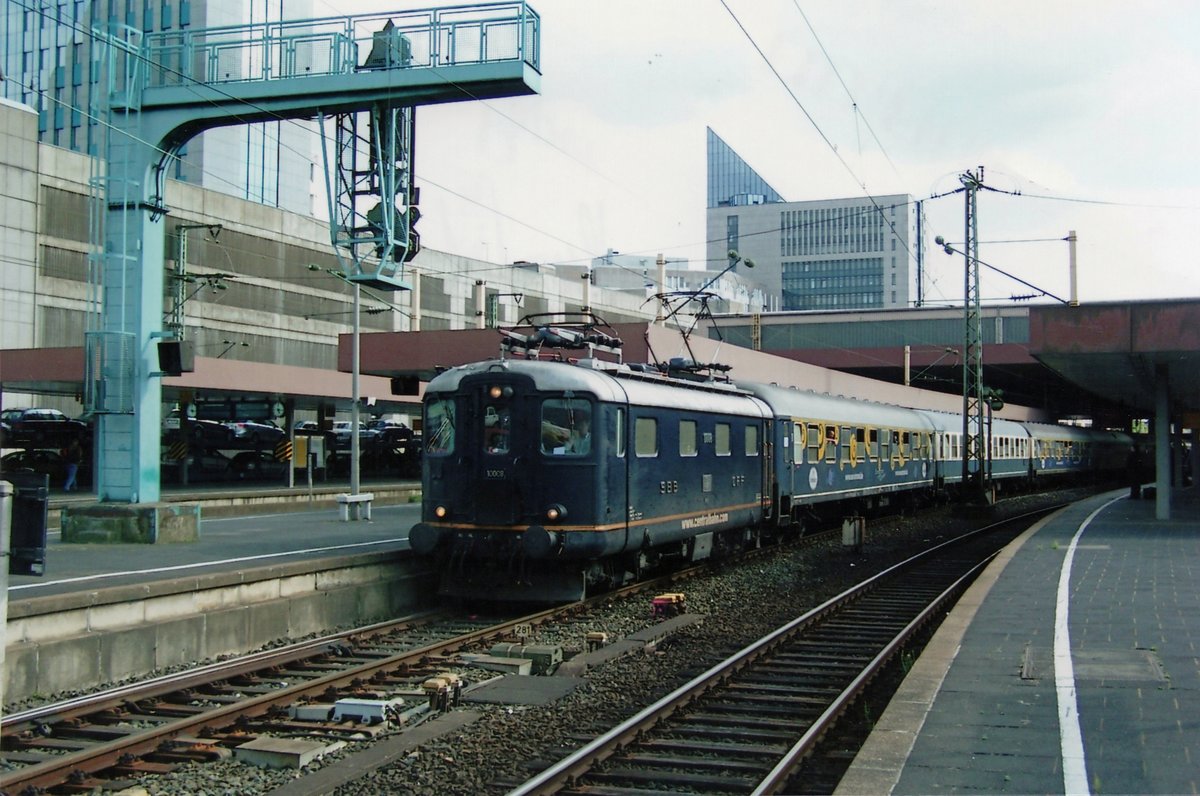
200,433
255,465
255,432
42,428
203,465
341,433
391,433
47,462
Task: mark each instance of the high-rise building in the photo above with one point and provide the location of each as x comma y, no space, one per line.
829,254
51,55
731,181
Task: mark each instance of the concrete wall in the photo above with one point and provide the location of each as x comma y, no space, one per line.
18,223
58,644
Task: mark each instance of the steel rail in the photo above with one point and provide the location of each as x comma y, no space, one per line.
98,757
778,777
559,775
104,755
201,675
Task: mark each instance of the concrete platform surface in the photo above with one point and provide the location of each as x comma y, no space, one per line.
233,535
1069,667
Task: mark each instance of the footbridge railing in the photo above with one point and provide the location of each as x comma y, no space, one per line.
485,33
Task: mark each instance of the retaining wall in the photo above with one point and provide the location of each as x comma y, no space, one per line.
75,641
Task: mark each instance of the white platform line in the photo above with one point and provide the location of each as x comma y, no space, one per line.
202,564
1075,778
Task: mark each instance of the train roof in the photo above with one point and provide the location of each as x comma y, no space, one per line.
821,406
614,383
1055,431
950,423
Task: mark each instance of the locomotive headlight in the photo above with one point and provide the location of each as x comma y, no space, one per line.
440,512
496,391
555,512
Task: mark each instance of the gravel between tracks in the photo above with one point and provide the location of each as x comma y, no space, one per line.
740,605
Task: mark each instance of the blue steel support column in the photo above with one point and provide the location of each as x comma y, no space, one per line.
133,289
1162,444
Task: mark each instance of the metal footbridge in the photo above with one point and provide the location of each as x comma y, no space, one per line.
364,75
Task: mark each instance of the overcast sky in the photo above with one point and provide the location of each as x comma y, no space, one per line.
1095,105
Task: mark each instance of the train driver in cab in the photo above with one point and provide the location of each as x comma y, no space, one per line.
580,441
569,435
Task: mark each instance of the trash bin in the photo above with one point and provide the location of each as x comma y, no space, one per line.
30,510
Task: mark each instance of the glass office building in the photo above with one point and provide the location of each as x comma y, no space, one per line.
731,181
828,254
51,55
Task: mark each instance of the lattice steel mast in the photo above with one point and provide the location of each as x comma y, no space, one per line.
974,452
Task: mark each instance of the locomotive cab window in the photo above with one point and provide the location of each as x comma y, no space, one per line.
497,422
566,427
439,427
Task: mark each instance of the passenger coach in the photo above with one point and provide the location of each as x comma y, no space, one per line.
832,449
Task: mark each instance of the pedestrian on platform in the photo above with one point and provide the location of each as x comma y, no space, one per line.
73,455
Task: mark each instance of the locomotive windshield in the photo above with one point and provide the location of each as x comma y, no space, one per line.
497,421
439,426
566,427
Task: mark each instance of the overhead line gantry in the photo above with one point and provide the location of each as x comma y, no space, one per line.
162,89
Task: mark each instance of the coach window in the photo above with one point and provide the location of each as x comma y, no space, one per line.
798,443
721,443
831,444
814,443
439,425
751,440
645,436
687,438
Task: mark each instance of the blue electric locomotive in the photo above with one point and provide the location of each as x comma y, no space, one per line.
542,479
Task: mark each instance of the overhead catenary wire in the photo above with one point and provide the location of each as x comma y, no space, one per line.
858,114
535,228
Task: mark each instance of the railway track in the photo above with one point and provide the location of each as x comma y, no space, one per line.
151,726
198,715
747,724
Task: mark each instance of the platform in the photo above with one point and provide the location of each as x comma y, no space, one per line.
105,612
240,527
1002,701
